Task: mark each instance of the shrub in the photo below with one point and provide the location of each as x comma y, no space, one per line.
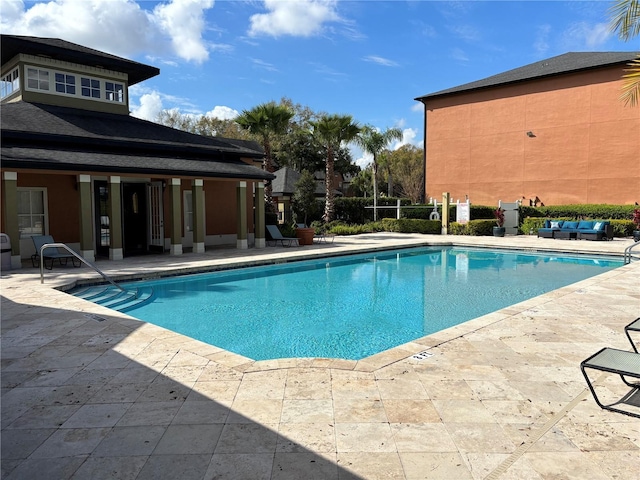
479,228
412,225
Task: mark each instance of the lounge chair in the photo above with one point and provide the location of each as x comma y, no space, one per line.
51,253
276,237
620,362
633,327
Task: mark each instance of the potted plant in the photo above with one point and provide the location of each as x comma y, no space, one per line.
636,221
499,229
304,204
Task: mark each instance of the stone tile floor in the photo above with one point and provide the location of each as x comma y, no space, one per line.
88,393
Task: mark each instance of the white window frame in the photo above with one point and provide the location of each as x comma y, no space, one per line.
116,95
10,83
68,83
187,202
40,74
44,214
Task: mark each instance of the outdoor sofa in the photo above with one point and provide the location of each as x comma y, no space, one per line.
577,230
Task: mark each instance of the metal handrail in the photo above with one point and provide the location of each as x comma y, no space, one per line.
627,252
86,262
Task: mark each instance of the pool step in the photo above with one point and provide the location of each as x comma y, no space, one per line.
114,298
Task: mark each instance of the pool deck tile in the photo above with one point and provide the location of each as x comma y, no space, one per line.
89,393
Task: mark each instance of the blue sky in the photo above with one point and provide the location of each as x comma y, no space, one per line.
366,58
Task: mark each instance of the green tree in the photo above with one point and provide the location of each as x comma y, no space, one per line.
267,121
362,183
625,20
332,131
408,170
374,142
304,201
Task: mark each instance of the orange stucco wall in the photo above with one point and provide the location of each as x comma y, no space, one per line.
63,203
586,147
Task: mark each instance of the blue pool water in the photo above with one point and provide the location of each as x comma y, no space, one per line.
352,307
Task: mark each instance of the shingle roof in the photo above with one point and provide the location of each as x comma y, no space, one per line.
562,64
53,137
285,181
58,49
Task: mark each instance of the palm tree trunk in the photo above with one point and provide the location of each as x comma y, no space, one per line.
329,203
375,189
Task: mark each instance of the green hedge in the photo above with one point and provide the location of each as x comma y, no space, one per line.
412,225
614,212
478,228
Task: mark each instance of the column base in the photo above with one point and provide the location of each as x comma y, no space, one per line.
115,254
242,244
198,247
88,255
175,249
260,243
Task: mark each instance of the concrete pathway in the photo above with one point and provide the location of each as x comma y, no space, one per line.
88,393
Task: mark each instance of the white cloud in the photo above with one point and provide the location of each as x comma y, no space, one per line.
418,107
583,35
302,18
459,55
408,138
265,65
385,62
149,108
222,113
120,27
541,44
183,20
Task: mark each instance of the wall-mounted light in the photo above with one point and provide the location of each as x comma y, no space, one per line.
164,185
530,134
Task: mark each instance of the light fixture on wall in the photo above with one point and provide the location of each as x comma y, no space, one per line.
530,134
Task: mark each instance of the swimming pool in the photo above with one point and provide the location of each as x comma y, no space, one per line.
354,306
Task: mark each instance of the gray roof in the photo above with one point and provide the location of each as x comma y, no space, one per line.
61,138
562,64
285,181
58,49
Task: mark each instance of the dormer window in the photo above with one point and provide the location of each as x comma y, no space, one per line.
10,83
74,85
90,87
114,92
65,83
37,79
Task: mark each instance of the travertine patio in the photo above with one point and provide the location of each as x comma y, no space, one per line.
88,393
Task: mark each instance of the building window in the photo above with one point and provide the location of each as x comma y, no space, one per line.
65,83
10,83
90,87
37,79
114,92
188,211
31,211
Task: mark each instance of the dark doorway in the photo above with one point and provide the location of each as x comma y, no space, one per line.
103,232
134,210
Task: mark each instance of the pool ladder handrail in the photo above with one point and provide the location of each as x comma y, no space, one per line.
627,252
82,259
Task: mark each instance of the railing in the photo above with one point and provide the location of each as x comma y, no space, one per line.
88,264
627,252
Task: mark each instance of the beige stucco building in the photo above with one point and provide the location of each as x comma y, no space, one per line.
554,130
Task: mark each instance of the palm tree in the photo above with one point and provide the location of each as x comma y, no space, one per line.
332,131
373,142
267,121
625,20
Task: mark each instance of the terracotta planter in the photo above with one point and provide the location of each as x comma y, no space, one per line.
305,235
